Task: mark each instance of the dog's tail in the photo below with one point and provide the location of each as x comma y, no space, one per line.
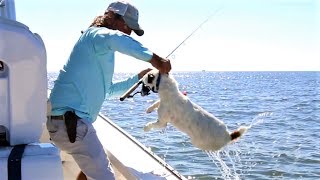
239,132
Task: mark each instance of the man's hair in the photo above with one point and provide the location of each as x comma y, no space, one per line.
99,21
102,21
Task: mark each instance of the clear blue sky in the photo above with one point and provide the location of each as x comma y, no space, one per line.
242,35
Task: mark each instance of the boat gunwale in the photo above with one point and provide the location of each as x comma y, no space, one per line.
144,148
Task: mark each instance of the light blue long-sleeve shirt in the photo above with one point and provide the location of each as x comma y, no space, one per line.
86,80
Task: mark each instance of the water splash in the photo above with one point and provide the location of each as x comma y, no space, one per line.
228,160
259,118
225,163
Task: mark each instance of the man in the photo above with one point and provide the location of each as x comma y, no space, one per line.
86,80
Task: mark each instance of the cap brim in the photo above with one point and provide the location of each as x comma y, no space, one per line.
134,26
139,32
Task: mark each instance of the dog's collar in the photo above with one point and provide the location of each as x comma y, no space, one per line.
157,84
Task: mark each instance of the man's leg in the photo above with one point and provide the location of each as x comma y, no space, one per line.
90,155
87,150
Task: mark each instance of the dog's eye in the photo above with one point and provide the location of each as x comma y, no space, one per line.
150,78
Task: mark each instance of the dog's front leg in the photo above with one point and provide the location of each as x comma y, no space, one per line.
160,123
155,124
153,106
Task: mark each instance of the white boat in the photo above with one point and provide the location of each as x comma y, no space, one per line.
25,148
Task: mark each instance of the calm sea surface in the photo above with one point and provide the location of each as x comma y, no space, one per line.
282,107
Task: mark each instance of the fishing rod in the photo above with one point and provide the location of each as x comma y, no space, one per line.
206,20
127,94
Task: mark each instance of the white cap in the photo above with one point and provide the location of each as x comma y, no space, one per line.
129,13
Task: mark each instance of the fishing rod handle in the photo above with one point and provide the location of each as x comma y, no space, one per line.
126,94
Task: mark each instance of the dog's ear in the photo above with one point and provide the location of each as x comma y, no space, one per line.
150,78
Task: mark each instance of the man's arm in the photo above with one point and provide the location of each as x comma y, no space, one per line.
118,88
125,44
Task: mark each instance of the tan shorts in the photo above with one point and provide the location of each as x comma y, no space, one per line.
87,150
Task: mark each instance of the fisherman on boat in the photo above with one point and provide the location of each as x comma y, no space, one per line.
86,81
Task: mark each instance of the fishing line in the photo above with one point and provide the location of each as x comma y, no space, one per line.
206,20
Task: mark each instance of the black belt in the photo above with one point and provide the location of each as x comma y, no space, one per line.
61,117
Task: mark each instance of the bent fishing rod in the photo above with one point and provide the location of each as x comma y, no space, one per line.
136,85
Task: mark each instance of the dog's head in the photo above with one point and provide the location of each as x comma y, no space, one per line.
151,81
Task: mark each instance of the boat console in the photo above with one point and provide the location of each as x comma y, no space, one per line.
23,101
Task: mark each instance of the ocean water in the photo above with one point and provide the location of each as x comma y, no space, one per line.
282,107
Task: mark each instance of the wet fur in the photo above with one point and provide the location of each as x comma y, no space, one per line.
205,130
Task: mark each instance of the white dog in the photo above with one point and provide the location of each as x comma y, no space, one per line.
205,130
